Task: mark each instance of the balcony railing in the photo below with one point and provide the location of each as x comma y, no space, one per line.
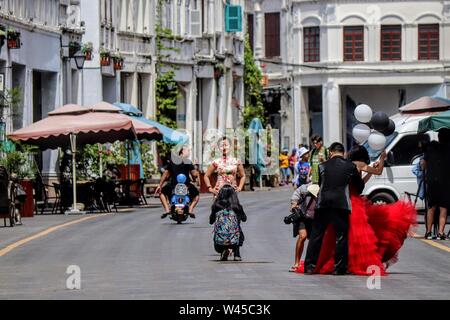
180,51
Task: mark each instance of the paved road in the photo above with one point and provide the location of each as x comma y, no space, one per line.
136,255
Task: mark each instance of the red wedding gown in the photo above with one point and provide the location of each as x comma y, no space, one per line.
376,234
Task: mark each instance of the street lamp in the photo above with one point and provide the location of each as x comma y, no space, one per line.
80,58
79,62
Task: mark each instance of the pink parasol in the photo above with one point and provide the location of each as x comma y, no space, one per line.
425,104
89,127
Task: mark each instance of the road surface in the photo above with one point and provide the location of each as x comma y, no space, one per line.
136,255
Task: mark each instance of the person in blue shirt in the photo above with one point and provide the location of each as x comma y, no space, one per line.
302,168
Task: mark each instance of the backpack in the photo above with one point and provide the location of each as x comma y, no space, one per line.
226,228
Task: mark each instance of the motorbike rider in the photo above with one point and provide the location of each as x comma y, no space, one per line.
180,164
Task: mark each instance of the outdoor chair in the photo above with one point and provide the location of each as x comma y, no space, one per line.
43,197
135,191
106,194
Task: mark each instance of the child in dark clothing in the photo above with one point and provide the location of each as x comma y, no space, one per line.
227,201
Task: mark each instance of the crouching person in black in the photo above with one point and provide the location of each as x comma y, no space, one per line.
226,215
303,203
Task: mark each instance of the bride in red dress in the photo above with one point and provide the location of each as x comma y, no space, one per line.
376,232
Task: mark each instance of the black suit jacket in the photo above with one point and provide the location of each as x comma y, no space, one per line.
335,177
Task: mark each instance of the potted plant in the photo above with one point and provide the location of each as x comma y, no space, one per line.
105,57
74,47
117,60
87,50
219,70
13,39
19,163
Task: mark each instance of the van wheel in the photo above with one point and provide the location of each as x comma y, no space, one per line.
382,198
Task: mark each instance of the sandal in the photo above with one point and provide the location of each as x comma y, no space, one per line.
293,268
165,215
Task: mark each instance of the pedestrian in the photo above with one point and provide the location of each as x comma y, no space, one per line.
227,215
333,207
319,154
437,159
292,162
284,167
303,203
227,167
302,168
180,164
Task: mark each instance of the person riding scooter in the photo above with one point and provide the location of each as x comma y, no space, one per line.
180,164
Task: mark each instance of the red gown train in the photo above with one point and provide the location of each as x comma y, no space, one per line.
376,234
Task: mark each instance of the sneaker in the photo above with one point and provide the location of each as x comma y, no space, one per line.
164,215
192,215
442,236
237,255
428,236
224,255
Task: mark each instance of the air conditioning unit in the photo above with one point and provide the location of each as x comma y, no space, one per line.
196,23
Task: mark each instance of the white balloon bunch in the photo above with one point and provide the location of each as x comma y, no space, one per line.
362,132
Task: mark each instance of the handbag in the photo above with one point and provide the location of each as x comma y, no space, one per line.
21,195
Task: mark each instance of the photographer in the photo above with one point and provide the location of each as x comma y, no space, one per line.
303,202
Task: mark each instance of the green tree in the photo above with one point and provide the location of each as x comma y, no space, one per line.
252,86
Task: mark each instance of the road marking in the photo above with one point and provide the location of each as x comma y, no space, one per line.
41,234
432,243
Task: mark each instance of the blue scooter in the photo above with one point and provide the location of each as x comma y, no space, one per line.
179,203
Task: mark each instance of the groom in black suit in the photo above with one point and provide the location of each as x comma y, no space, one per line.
333,206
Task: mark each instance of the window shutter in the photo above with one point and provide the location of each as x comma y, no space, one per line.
196,23
233,18
272,37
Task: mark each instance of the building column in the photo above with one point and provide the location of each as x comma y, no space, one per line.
222,104
332,113
134,90
191,112
297,100
229,97
259,29
212,110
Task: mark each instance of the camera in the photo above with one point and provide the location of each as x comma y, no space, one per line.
296,215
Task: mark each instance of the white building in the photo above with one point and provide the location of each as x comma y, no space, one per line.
342,53
201,43
41,67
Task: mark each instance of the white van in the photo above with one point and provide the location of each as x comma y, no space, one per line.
403,152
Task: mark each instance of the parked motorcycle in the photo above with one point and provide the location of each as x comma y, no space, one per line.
179,203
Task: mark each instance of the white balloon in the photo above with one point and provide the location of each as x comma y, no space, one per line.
377,141
361,132
363,113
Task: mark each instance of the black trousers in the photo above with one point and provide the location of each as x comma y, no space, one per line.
219,248
322,218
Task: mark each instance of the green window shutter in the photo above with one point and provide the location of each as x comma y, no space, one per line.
233,18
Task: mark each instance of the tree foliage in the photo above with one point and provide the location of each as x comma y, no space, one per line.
252,86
